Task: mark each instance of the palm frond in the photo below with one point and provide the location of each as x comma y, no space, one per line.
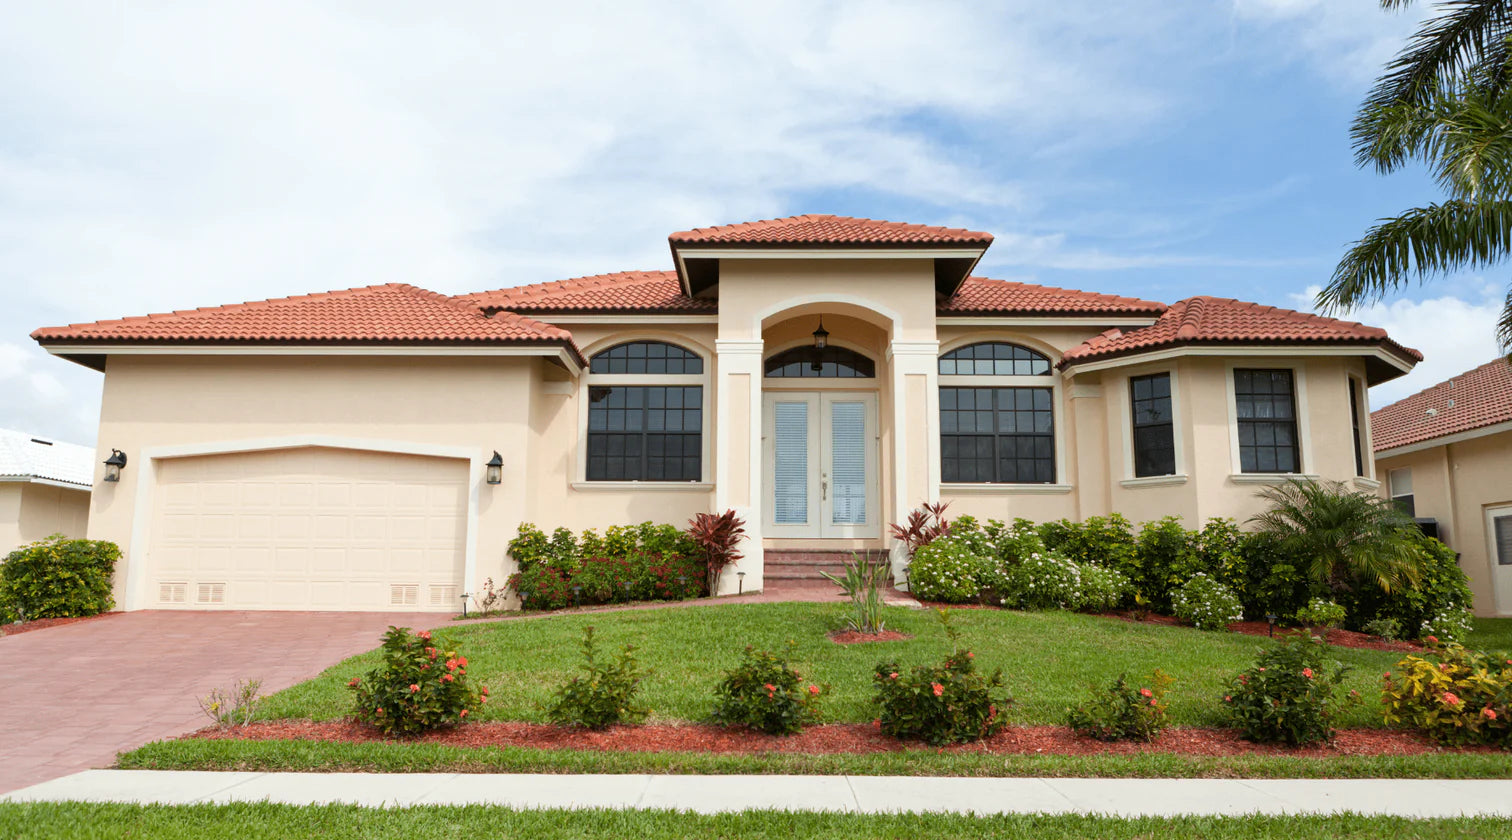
1341,536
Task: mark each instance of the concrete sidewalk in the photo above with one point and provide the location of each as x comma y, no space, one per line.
853,794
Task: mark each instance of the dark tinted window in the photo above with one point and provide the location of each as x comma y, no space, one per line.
1264,401
646,357
1154,428
994,358
812,362
1004,435
645,433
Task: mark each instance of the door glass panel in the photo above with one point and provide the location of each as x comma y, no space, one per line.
848,463
791,470
1503,525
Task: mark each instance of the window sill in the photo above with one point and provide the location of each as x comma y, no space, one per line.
1154,481
1365,483
1006,489
1270,478
642,486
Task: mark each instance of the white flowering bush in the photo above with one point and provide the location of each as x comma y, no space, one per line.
948,570
1449,626
1206,604
1102,589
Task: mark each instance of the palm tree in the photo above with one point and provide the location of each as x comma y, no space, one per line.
1341,536
1445,101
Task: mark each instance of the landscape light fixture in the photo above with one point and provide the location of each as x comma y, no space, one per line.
1270,619
495,469
113,465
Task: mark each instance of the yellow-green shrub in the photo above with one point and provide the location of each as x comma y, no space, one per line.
1455,695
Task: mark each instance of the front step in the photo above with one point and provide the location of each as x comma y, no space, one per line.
807,564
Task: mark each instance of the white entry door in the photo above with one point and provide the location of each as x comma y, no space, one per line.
1499,537
820,465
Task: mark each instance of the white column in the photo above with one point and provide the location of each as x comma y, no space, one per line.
916,434
737,453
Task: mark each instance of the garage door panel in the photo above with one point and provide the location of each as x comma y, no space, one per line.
309,528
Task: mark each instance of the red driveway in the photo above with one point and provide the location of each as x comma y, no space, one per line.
73,696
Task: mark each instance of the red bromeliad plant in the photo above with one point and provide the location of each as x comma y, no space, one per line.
925,525
718,535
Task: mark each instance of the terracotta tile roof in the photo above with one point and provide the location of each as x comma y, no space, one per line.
1222,321
637,292
823,229
980,295
1472,400
393,313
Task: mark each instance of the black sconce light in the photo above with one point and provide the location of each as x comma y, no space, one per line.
495,469
113,465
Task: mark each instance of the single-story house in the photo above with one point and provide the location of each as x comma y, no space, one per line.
1445,455
44,489
820,375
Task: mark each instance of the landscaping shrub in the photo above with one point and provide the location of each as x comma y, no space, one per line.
1206,604
542,587
1451,625
1287,696
1272,577
1320,613
646,562
862,584
925,525
605,695
234,707
941,704
1104,541
1343,538
1049,580
764,693
1455,695
719,536
1122,711
58,577
1387,628
947,569
421,685
530,547
1441,587
1168,555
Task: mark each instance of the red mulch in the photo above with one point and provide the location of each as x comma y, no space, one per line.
834,738
856,637
44,623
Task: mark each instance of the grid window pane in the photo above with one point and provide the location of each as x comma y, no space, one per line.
997,435
1264,401
814,363
1154,429
645,433
994,358
646,357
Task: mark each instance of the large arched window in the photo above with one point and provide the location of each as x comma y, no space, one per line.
645,413
820,363
997,415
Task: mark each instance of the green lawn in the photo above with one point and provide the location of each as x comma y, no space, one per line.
63,821
1491,634
1047,657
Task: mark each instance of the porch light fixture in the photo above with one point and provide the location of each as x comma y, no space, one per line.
113,465
495,469
821,335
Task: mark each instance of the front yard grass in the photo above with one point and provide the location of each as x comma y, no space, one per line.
1048,658
243,821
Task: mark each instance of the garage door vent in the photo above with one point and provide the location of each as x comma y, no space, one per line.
173,593
443,596
404,595
211,593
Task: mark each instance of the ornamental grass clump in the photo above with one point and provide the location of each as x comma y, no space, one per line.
605,695
1287,696
1121,710
421,685
1206,604
764,693
941,704
1454,695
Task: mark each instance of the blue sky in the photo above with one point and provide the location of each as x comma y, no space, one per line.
165,157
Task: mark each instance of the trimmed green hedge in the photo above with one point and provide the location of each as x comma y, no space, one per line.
58,577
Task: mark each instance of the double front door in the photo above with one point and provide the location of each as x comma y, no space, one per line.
820,464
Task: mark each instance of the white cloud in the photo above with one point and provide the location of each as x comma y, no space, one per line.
1349,40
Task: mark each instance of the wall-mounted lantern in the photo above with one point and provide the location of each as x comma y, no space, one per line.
113,465
821,335
495,469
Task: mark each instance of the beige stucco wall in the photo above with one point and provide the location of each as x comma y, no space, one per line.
30,512
1455,484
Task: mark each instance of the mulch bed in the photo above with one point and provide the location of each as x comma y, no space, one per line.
843,738
44,623
856,637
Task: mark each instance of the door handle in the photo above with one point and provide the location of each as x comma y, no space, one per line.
824,488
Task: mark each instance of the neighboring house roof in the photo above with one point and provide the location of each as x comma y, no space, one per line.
392,313
1223,321
29,458
819,229
633,292
980,295
1472,400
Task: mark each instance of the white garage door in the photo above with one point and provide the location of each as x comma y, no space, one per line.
308,529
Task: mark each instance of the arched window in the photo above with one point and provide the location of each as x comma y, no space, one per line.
645,413
816,363
997,415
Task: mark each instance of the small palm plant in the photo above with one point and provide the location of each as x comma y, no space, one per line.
1342,536
862,583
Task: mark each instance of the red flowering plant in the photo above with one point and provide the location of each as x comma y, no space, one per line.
1453,694
1288,694
1123,710
941,704
422,684
765,693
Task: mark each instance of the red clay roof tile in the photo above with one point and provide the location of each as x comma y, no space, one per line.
823,229
1472,400
636,292
980,295
1209,320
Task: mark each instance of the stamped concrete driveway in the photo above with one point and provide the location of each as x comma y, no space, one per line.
76,695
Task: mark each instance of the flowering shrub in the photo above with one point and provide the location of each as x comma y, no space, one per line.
1320,612
1455,695
1049,580
941,704
1168,556
57,578
1206,604
604,696
1451,625
1099,540
764,693
1122,711
946,569
421,685
646,562
1102,589
1288,694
